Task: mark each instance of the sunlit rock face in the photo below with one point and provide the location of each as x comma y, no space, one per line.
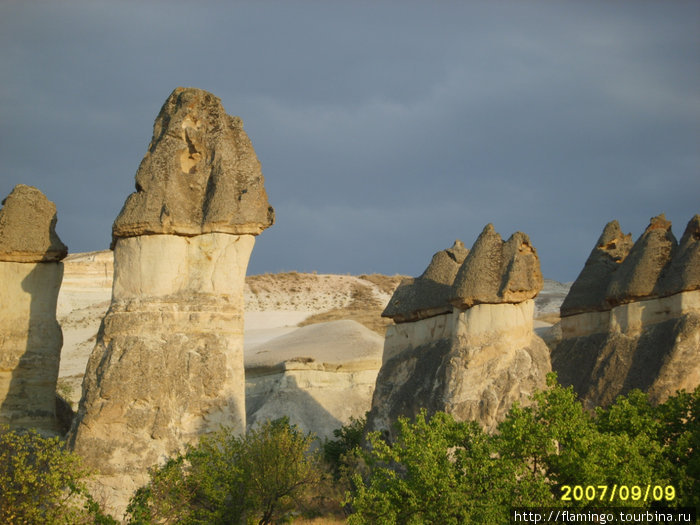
319,376
199,175
30,336
647,335
477,353
168,363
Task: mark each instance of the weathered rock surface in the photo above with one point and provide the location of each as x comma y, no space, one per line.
653,345
168,363
319,376
30,336
683,274
497,272
480,362
200,174
429,294
28,227
650,336
639,275
589,291
479,358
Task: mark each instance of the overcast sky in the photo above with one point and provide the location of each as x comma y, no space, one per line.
385,130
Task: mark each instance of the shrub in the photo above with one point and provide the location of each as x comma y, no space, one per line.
348,440
42,483
264,476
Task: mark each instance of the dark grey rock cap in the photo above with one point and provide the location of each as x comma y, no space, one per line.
589,291
640,273
683,274
200,174
495,272
28,227
427,295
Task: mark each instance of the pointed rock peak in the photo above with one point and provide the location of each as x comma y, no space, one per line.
522,278
692,231
683,274
614,242
521,241
640,275
427,295
658,223
588,293
488,231
28,227
498,272
457,252
611,231
200,174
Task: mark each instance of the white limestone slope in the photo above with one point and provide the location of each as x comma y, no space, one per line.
319,376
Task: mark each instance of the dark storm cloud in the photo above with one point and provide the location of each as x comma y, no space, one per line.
385,130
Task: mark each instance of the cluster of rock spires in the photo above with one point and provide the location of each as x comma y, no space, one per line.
632,317
31,338
168,367
463,339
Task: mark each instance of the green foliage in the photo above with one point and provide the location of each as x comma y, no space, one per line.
442,471
338,453
280,470
437,471
558,438
42,483
679,432
262,477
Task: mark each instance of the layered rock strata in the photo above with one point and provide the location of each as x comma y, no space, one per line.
168,363
643,329
30,336
320,376
474,354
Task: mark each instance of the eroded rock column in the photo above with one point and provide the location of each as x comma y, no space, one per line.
168,363
634,322
463,339
30,336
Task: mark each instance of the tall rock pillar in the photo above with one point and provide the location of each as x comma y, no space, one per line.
632,317
168,363
462,341
30,336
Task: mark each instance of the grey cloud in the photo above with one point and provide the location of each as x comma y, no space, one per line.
385,130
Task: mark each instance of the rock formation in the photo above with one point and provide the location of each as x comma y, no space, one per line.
589,291
168,362
643,329
319,376
639,277
30,338
428,295
474,354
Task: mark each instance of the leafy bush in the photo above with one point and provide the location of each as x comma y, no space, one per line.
348,440
262,477
42,483
442,471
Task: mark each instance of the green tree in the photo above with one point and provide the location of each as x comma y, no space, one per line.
437,471
42,483
560,440
442,471
280,470
262,477
679,432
